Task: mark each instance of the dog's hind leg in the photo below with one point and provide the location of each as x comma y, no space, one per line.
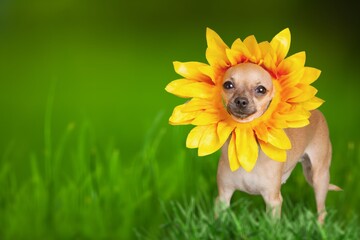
316,170
321,185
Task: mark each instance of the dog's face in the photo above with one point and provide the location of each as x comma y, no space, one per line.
247,91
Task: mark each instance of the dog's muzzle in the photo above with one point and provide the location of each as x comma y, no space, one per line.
241,107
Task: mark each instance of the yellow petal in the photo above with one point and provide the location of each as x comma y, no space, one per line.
292,63
292,79
281,44
192,71
298,124
224,130
308,92
290,92
253,47
278,138
296,113
246,148
173,85
206,118
179,117
284,107
310,75
261,132
313,103
273,152
233,160
216,59
214,40
232,56
193,138
216,51
268,57
239,47
269,63
277,121
188,88
197,104
208,71
265,48
209,141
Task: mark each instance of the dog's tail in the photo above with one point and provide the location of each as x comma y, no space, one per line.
333,187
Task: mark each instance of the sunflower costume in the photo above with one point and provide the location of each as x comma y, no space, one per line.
202,83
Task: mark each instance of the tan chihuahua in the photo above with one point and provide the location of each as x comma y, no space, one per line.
247,93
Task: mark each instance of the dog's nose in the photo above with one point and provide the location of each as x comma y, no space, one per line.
241,102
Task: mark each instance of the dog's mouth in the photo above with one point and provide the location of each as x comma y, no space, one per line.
245,115
241,114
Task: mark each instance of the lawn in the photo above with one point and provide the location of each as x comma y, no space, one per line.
83,189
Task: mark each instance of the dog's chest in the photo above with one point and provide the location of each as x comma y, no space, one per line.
252,183
265,175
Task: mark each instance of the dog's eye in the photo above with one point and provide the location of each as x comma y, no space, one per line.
260,90
228,85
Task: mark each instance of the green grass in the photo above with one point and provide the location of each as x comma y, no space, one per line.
195,220
80,188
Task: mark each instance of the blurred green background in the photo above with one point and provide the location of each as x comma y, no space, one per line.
84,112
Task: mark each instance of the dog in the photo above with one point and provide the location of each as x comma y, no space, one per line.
247,93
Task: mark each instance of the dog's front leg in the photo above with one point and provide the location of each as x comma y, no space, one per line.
273,201
222,202
271,189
